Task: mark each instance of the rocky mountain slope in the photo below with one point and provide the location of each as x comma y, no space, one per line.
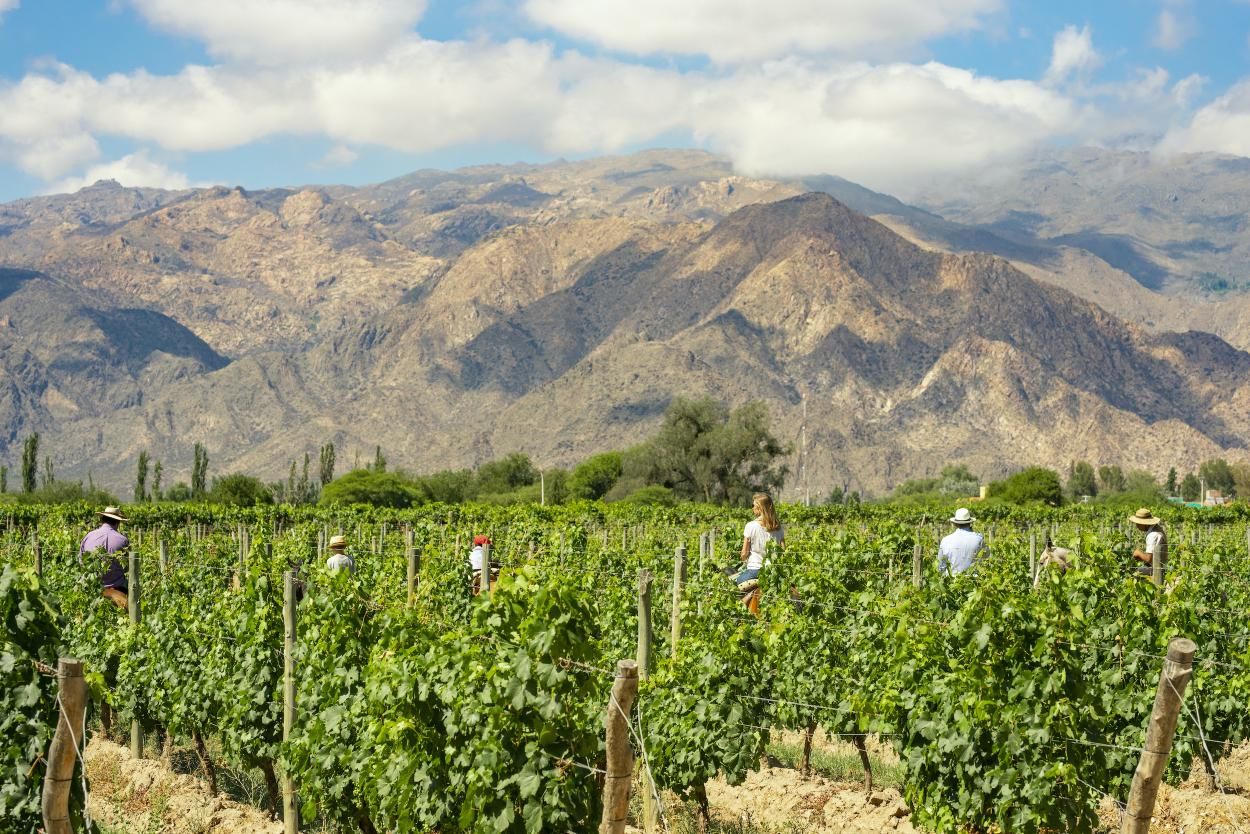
555,310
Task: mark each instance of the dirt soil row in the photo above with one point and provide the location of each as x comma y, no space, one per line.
144,797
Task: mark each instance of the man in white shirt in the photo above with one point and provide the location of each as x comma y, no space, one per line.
338,555
959,550
1156,542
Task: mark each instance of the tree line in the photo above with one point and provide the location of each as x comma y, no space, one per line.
703,451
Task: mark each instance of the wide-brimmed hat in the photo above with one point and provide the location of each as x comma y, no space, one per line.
114,513
337,541
1144,518
481,540
962,516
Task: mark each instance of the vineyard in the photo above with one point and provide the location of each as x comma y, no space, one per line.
1012,705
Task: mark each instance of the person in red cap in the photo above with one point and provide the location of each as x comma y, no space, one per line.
477,558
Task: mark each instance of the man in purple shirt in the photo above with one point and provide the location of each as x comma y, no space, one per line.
108,542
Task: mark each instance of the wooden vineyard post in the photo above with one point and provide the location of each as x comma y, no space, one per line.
37,552
410,553
290,808
1156,571
1177,670
133,603
486,569
64,751
321,544
1032,556
163,555
644,622
620,773
917,565
679,581
650,819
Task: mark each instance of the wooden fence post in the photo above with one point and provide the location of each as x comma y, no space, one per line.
650,819
66,743
410,552
917,565
290,807
133,603
1032,555
163,555
679,581
37,552
644,622
1177,670
620,773
486,569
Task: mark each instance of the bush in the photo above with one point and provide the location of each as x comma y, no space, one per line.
364,486
240,490
1033,484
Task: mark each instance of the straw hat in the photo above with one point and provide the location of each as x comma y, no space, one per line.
962,516
112,513
337,541
1143,518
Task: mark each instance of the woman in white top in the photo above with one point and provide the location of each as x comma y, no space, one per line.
764,528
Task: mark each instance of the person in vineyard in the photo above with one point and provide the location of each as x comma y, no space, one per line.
756,536
1156,542
960,549
107,541
477,558
338,555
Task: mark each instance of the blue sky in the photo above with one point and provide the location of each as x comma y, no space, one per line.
891,93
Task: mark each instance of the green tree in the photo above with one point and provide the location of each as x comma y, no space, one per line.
240,490
4,479
141,478
379,462
506,474
705,452
1112,478
157,471
49,473
1217,474
306,494
1142,487
593,477
30,463
199,472
1033,484
364,486
326,470
1081,480
958,479
1191,487
179,492
1171,484
1241,480
450,486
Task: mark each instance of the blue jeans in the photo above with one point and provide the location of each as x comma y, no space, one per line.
746,576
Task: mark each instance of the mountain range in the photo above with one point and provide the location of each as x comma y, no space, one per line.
453,317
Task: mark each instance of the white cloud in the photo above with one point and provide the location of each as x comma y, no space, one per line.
881,124
1072,53
8,6
275,32
742,30
337,157
1222,126
133,170
886,126
1173,27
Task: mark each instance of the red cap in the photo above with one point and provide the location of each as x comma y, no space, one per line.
481,540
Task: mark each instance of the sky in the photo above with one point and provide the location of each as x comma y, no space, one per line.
894,94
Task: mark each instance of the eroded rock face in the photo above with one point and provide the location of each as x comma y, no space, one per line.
556,309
